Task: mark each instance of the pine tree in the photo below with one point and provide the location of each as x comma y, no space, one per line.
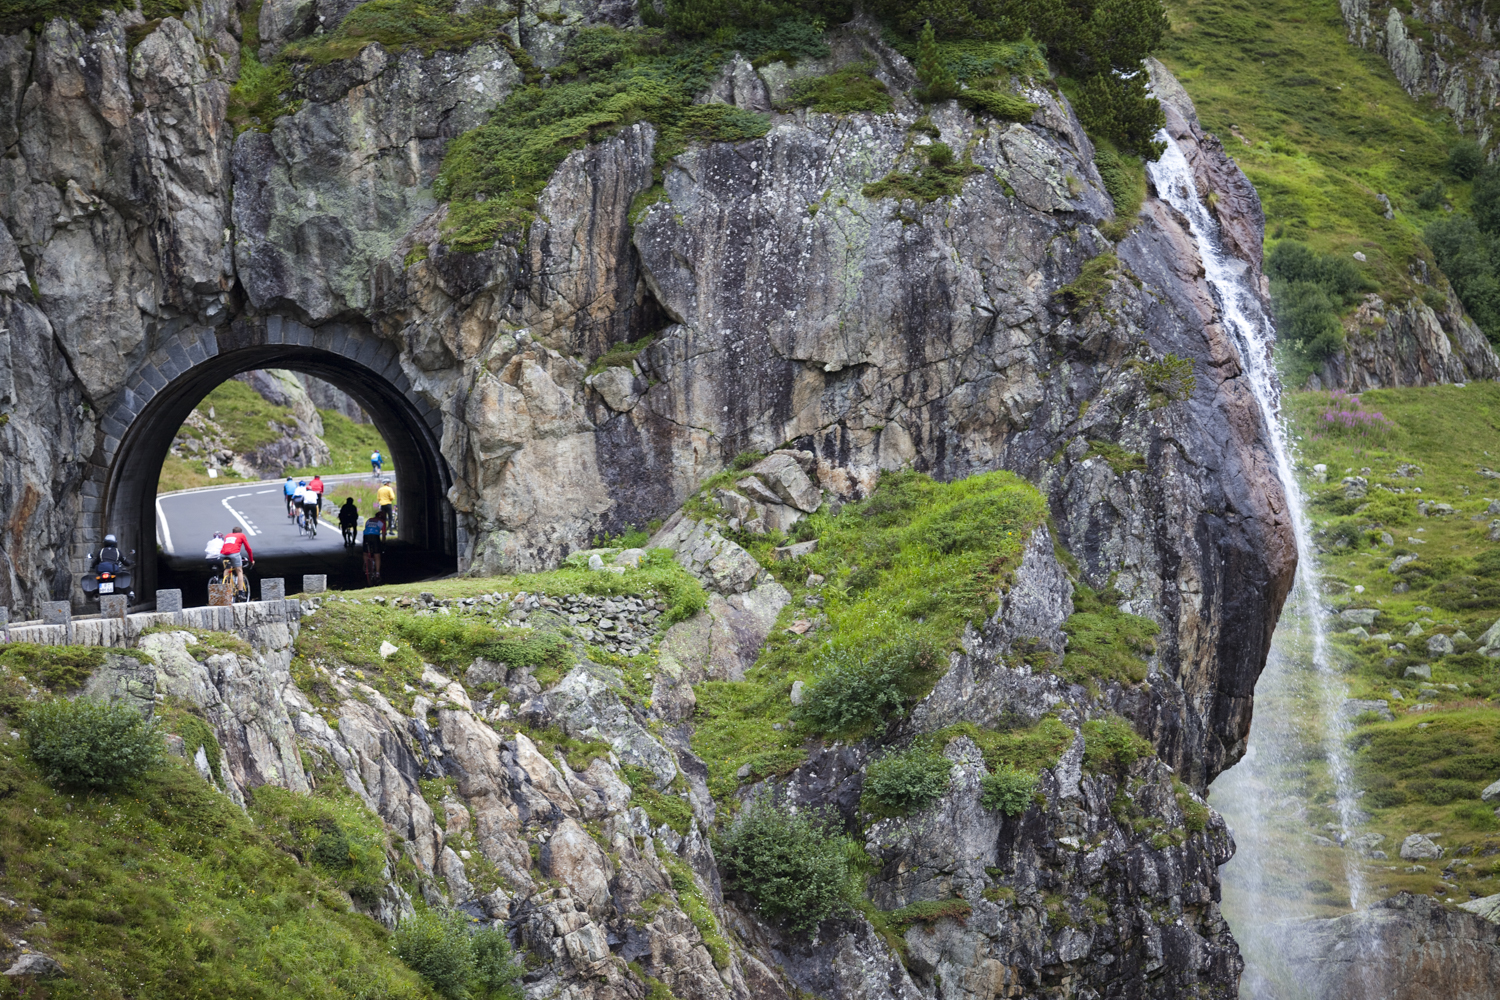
938,83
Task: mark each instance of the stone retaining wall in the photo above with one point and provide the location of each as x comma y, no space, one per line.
246,619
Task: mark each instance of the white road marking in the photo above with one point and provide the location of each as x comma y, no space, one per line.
259,492
245,521
161,525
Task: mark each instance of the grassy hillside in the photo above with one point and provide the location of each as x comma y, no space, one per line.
1424,771
349,446
1319,126
163,888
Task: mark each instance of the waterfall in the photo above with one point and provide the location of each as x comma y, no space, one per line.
1298,698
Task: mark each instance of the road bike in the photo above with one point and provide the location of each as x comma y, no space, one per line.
226,574
307,522
372,570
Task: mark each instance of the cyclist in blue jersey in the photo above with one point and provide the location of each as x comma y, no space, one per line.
289,490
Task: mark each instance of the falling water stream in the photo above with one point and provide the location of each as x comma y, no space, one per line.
1295,770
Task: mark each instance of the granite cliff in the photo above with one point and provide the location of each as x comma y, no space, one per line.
1016,324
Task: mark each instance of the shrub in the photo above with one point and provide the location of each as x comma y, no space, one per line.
1094,281
457,963
900,783
91,745
1309,291
1111,745
1465,160
793,866
1171,377
849,90
1433,197
853,691
1466,254
1008,790
942,176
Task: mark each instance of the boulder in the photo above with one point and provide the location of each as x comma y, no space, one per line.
1359,616
788,480
1422,670
1491,793
1489,642
1358,706
1418,848
1440,645
34,963
1487,907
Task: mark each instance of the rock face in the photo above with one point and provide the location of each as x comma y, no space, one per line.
791,314
1404,948
1409,344
1452,59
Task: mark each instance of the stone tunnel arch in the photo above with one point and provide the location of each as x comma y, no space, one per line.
120,489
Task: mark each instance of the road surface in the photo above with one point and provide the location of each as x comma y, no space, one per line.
186,521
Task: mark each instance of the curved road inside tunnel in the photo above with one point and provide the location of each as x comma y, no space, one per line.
186,521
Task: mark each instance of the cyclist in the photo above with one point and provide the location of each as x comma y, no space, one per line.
385,497
315,485
375,463
237,548
289,490
213,551
373,548
299,498
311,500
349,521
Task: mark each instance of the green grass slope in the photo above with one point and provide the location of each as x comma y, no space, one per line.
1424,771
1319,126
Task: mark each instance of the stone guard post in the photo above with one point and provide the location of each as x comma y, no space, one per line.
314,583
273,589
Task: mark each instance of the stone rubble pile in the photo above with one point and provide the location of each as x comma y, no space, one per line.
624,625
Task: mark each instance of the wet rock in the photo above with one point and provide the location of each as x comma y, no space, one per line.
1404,948
1358,706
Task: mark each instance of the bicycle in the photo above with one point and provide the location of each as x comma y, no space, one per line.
307,523
372,570
241,588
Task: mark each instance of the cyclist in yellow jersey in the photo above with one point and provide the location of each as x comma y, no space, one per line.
385,497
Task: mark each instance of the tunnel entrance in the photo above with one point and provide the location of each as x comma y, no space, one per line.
120,496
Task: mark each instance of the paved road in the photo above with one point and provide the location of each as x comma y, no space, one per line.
186,521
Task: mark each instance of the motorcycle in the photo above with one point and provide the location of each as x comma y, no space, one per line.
108,578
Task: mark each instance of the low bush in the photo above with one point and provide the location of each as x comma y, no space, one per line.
57,668
458,963
1309,291
492,174
1094,281
853,691
1105,643
847,91
1465,160
1008,790
794,867
1111,745
901,783
91,745
941,176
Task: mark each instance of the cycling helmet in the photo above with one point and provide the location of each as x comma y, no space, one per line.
302,482
110,540
385,482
